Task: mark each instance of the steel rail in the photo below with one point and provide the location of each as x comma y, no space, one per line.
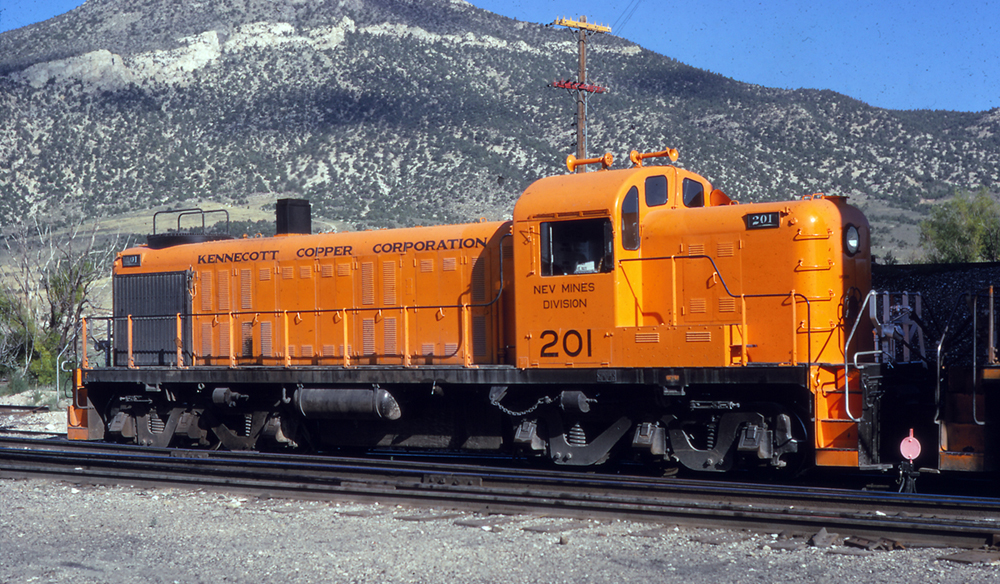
923,519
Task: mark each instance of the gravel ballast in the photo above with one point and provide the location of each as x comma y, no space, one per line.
61,532
57,532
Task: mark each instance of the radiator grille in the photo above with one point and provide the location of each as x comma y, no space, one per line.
153,301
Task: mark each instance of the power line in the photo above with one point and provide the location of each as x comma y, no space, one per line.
626,15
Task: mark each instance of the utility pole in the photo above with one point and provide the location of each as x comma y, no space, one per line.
581,86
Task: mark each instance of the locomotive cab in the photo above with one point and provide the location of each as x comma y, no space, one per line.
721,304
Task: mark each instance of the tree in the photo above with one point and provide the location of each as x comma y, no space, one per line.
964,229
46,283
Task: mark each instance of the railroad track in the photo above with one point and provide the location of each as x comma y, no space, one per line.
22,410
11,410
906,518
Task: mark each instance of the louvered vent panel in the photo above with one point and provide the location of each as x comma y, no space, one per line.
698,336
427,265
287,273
329,351
479,336
206,291
699,306
368,336
206,339
265,274
388,283
246,283
326,271
650,337
478,280
449,264
343,269
727,305
427,349
508,252
696,249
246,339
305,272
223,286
367,283
450,349
265,339
726,249
224,340
389,327
291,350
307,351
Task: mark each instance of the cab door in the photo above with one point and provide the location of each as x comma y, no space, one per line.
568,304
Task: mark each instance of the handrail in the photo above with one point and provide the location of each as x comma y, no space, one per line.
190,211
975,376
743,298
847,344
940,350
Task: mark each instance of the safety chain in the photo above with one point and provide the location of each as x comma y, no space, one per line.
541,401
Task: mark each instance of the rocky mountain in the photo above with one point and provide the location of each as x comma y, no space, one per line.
402,112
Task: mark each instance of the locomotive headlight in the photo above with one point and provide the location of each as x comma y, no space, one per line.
852,240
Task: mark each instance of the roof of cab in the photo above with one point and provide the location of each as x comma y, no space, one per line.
584,194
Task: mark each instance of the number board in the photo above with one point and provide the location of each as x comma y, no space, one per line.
768,220
130,261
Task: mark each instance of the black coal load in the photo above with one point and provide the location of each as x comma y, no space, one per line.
949,292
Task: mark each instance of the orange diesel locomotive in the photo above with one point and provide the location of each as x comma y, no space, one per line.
632,312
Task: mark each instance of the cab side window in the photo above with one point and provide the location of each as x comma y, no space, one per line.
576,247
630,219
656,191
694,193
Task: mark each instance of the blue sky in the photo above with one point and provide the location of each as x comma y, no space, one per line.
897,55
